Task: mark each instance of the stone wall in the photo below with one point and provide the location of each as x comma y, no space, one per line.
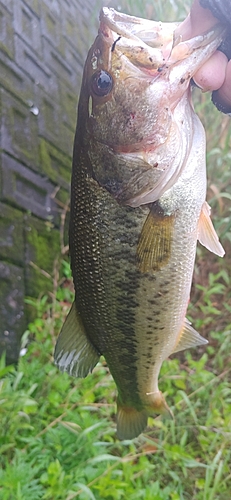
43,45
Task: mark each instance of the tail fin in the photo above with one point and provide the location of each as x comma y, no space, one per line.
130,422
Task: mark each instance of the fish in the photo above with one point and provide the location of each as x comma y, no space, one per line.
138,207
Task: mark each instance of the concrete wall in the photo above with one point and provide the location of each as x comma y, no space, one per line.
43,45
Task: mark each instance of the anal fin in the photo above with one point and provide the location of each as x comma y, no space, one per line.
207,235
188,338
74,353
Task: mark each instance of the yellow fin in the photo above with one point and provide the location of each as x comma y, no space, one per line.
188,338
207,235
74,352
130,422
154,245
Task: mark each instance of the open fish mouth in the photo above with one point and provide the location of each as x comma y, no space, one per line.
146,43
153,33
150,44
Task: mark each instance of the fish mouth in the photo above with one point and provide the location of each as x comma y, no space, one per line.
145,42
153,33
152,45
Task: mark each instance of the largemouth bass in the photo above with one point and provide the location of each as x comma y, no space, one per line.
137,209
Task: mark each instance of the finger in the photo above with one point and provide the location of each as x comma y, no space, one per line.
211,75
222,97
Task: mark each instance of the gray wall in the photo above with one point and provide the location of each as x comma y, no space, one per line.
43,45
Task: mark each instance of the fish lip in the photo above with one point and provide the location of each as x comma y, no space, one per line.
122,29
141,54
113,19
138,28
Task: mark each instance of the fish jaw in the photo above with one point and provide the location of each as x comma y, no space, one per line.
138,37
153,33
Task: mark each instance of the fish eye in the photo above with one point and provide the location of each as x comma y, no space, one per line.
101,83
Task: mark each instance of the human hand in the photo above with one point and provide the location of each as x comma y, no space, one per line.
215,74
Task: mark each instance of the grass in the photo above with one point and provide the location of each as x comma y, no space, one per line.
57,434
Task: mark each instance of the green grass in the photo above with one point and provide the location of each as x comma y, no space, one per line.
58,434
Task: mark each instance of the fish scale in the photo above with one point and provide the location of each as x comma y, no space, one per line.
137,209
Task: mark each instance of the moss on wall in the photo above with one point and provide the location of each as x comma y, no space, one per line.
11,234
42,243
54,164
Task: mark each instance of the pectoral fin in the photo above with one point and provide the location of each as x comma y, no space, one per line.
74,352
188,338
154,245
207,235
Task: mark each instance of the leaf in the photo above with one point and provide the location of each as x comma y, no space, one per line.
105,457
71,426
87,490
